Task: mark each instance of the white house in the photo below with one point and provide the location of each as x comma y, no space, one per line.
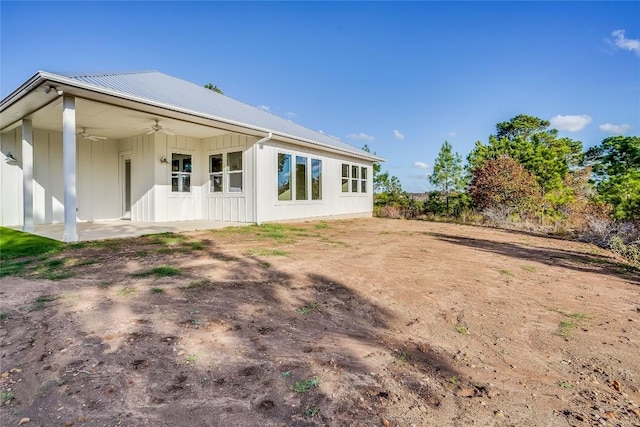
149,147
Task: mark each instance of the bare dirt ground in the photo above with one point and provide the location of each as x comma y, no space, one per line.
366,322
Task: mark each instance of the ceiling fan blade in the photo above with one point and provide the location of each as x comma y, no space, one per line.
150,132
100,137
167,132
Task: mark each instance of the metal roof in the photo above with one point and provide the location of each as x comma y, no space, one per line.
172,92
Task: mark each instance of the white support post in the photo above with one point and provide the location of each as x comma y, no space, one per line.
69,168
27,176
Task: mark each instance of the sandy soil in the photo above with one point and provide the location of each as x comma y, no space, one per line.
366,322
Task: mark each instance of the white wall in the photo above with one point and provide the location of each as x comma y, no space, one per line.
334,202
229,206
96,180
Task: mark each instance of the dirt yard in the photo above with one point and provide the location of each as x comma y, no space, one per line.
366,322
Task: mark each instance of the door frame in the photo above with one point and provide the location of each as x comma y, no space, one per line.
124,158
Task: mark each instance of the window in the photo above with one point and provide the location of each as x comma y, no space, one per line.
354,178
234,166
345,178
284,176
215,173
225,172
301,178
316,179
181,173
306,178
363,178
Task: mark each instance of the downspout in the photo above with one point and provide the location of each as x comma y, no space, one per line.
258,146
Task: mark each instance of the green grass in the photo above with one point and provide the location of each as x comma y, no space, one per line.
198,284
157,290
6,396
529,268
402,355
462,330
321,225
267,252
564,384
505,272
4,316
13,268
565,327
40,302
306,385
307,309
161,271
312,411
16,244
125,291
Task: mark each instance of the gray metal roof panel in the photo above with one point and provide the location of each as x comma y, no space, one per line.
165,89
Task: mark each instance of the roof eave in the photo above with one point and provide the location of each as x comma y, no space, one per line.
43,76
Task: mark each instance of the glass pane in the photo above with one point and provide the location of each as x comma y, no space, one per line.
127,185
215,163
316,179
235,182
174,183
186,183
216,183
234,161
345,185
354,185
354,171
345,171
284,176
301,178
363,172
363,186
180,162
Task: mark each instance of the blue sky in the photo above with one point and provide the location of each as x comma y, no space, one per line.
400,77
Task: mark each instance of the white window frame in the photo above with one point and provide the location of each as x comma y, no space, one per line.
357,180
179,174
308,178
225,173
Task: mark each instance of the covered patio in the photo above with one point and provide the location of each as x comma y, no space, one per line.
116,229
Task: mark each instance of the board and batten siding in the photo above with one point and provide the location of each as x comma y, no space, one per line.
96,181
334,202
236,207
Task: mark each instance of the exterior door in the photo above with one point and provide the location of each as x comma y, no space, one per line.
126,190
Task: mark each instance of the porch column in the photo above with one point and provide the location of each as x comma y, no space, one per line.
27,176
69,167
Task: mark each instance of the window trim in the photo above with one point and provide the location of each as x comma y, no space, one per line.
180,174
309,159
359,181
225,174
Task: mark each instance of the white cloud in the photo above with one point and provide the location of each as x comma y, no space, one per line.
421,165
623,43
398,135
615,129
451,134
571,123
264,107
361,136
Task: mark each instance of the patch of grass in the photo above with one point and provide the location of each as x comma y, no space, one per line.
267,252
402,355
530,268
169,239
125,291
40,302
197,245
312,411
306,385
565,327
285,374
307,309
164,251
161,271
564,384
462,330
157,290
6,396
191,359
4,316
16,244
198,284
506,273
321,225
141,254
13,268
454,380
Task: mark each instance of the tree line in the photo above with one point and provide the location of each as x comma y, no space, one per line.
527,174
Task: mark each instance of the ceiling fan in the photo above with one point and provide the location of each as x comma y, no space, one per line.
157,128
86,135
